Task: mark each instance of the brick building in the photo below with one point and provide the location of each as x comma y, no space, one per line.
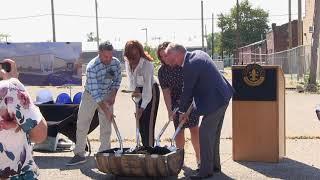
278,37
308,22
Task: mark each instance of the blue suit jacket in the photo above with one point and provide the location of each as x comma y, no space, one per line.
203,82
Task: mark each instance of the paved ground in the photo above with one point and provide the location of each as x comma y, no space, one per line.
302,130
302,162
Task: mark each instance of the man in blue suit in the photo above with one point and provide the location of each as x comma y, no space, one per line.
211,92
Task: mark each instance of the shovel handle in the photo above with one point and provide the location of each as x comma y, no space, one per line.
137,123
181,124
165,127
117,132
176,132
137,132
161,132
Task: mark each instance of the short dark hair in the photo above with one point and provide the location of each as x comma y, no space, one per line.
161,47
106,46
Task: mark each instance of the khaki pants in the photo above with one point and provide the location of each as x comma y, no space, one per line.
86,112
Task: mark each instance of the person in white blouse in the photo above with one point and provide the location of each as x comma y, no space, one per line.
145,89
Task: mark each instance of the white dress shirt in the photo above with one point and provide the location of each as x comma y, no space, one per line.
142,76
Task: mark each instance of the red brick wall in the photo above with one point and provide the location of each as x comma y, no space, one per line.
280,36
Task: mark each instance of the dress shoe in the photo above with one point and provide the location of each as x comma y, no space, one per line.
215,170
198,176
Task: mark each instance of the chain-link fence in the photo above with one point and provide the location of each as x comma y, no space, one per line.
294,62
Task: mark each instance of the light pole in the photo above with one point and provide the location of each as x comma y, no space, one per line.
212,38
237,35
290,26
146,29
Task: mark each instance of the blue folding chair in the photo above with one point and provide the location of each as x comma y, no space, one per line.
63,98
77,98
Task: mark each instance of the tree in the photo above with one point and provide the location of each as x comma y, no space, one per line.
92,38
228,30
153,53
216,42
253,22
314,48
4,37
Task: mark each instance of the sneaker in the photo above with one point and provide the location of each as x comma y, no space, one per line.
76,160
64,144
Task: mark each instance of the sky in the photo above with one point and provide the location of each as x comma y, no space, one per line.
123,20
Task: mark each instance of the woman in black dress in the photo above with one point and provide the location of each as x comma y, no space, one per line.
171,82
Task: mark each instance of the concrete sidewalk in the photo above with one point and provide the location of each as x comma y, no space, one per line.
302,162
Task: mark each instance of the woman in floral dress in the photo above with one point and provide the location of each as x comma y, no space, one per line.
20,123
171,82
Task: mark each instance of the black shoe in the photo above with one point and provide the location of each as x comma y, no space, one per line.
198,176
198,168
76,160
217,170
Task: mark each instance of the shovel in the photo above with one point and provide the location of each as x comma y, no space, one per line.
120,151
173,147
157,142
136,100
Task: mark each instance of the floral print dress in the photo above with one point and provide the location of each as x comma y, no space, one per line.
172,78
16,161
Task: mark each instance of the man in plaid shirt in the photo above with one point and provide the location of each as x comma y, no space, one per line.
103,81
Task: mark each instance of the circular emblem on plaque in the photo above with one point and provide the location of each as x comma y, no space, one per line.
253,75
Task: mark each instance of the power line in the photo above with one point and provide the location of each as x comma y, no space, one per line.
135,18
121,18
24,17
104,17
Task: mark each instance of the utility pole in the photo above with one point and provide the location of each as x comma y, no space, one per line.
53,23
237,35
202,35
300,40
205,32
315,46
290,27
97,23
212,38
146,29
222,40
